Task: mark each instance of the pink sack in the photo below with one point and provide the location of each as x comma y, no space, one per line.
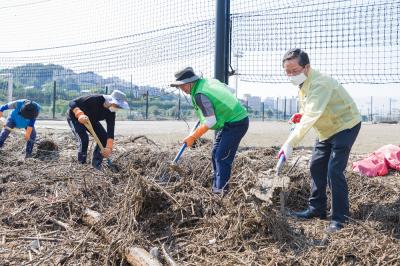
392,156
379,162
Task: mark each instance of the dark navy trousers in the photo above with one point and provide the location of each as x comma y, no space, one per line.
225,146
328,163
5,132
82,136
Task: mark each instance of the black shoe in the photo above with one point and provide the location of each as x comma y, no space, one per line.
308,214
334,226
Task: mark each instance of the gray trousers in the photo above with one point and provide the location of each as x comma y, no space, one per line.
328,163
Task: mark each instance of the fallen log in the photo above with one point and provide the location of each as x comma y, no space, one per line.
136,256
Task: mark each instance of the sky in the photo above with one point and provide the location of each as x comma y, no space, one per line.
50,29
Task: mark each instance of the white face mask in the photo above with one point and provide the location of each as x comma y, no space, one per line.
113,109
298,79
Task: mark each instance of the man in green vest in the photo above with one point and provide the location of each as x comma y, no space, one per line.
218,109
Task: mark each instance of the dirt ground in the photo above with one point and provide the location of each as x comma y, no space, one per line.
55,211
260,134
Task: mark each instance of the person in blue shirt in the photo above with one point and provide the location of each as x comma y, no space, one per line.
23,115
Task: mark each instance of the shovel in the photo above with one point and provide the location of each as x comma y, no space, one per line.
268,186
173,164
89,127
183,147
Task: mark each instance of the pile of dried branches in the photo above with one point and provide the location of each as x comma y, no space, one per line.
171,211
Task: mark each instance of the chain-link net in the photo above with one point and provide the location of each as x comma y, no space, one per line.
136,46
98,46
354,41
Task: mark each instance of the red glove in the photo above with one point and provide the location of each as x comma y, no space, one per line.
295,118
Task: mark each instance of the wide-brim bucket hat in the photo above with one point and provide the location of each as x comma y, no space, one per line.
119,98
184,76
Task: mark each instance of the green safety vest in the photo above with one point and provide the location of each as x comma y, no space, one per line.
226,107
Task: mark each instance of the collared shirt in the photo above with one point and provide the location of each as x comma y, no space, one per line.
326,106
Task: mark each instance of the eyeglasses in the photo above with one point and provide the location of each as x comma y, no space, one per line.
293,72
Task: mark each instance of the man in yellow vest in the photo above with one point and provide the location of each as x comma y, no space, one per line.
329,109
218,109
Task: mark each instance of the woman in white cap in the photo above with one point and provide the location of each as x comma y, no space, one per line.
95,108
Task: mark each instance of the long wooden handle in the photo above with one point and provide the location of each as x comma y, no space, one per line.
89,126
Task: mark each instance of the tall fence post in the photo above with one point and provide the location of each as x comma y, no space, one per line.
54,99
284,110
222,40
277,108
179,105
147,104
262,104
371,116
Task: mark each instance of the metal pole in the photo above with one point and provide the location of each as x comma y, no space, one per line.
221,40
179,105
10,87
227,40
237,74
284,110
371,110
390,108
262,111
54,99
277,108
147,104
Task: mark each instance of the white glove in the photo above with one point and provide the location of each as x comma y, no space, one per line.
286,150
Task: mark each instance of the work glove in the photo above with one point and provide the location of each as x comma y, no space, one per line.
295,118
108,149
190,139
28,133
80,115
3,121
286,150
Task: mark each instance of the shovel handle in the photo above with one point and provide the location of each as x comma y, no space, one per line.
89,126
280,164
179,154
184,145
